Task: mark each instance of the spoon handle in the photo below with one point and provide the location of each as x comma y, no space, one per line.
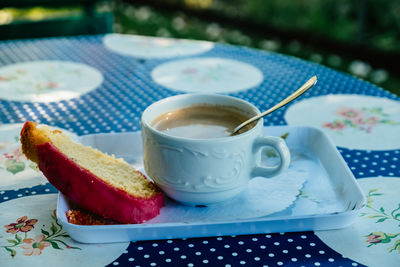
310,83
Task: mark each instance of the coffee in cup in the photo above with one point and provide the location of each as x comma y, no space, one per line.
201,121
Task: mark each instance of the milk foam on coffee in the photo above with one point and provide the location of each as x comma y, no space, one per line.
200,121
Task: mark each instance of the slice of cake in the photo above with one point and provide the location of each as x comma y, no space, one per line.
97,182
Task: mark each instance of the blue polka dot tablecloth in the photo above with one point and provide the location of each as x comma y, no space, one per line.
101,84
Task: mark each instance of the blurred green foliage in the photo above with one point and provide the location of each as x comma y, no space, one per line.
145,20
373,22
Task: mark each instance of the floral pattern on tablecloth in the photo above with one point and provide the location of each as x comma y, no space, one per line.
207,75
16,171
352,121
374,238
154,47
380,215
47,81
361,119
34,245
31,235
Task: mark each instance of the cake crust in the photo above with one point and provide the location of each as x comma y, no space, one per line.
83,187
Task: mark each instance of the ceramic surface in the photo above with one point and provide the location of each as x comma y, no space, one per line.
206,171
308,196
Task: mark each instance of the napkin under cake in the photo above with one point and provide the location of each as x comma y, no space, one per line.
97,182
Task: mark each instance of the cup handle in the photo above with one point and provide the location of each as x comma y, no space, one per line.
280,146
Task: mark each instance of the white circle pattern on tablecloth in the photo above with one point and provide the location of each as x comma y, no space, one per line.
125,93
154,47
47,81
374,238
352,121
16,171
34,237
207,75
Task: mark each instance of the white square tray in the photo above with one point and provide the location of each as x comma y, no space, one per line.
330,197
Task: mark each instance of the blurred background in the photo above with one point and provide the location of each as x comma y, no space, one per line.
359,37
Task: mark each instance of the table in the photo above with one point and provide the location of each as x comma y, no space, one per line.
101,84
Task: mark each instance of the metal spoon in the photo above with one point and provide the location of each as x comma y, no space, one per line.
310,83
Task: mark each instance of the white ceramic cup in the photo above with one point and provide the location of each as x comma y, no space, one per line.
206,171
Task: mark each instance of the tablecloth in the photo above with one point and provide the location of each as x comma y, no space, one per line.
102,84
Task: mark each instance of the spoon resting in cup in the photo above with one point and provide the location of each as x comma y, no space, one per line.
310,83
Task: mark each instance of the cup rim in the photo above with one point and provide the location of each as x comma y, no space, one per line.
218,139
